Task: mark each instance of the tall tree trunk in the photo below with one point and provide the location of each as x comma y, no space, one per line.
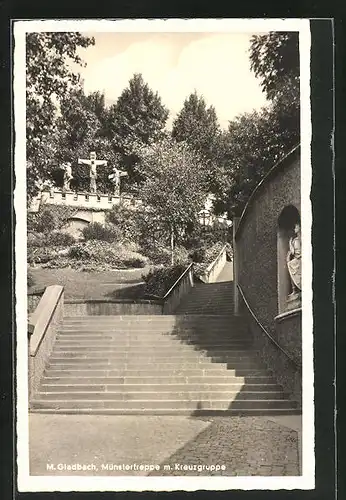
172,245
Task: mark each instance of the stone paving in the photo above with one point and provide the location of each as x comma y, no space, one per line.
248,446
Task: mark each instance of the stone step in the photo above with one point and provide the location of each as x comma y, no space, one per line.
193,337
101,385
169,411
126,317
144,350
165,404
183,325
149,381
203,329
161,376
185,395
160,355
133,345
211,338
180,364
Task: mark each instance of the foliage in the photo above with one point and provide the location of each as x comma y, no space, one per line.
103,252
59,238
157,254
274,59
198,125
82,128
48,77
41,255
96,231
51,238
255,141
46,221
174,190
30,280
181,255
137,117
35,239
159,280
204,236
127,220
198,254
210,254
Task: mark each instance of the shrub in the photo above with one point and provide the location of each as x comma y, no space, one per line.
198,255
46,221
58,263
126,220
79,252
35,239
41,255
30,280
159,280
59,238
181,255
210,255
96,231
104,253
157,254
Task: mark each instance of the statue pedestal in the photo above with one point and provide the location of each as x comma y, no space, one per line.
294,301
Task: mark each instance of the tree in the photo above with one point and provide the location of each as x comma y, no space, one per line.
48,77
81,130
138,117
198,125
255,142
174,190
274,59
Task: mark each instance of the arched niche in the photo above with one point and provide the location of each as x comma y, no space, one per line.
288,221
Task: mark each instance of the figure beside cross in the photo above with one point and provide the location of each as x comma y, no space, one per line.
114,177
94,163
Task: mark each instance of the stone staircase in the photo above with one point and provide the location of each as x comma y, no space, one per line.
212,298
197,362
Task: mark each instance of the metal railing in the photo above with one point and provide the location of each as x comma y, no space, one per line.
265,331
167,294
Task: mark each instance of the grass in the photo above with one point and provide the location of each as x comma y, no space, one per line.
91,285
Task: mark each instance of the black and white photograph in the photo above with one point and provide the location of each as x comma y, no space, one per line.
163,255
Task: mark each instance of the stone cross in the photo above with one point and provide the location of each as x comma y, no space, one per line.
115,179
93,163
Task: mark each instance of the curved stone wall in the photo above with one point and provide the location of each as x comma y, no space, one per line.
258,269
257,234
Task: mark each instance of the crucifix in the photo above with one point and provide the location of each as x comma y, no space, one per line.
115,179
93,163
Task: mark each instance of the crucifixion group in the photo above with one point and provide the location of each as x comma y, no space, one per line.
93,163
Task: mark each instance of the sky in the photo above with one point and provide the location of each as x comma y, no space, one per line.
216,65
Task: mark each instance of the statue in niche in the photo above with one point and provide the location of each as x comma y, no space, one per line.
294,262
67,176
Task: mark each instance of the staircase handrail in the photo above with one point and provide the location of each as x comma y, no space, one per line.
40,319
167,294
212,264
265,331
